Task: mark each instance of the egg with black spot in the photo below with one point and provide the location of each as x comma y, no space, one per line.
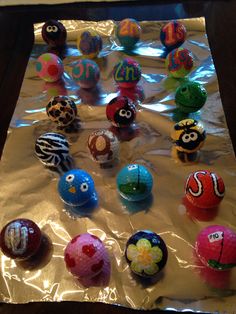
54,33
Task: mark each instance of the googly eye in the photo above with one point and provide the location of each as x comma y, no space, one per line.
128,114
84,187
70,178
186,138
54,28
122,113
193,136
49,29
132,167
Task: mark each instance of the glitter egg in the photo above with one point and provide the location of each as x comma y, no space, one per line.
54,33
20,239
216,247
128,32
134,182
173,35
146,253
49,67
204,189
121,111
61,110
179,62
190,97
127,73
103,146
86,73
89,44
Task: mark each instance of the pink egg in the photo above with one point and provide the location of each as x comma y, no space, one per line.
49,67
85,256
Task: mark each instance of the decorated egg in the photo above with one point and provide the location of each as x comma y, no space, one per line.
54,33
52,149
127,73
49,67
121,111
86,73
61,110
20,239
76,187
204,189
128,32
216,247
103,146
173,35
134,182
146,253
190,97
179,62
89,44
188,135
85,256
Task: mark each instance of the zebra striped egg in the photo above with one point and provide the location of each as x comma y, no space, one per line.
204,189
52,149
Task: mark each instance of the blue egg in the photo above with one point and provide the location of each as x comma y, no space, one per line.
76,187
134,182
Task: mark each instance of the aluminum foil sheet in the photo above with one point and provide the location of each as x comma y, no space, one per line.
29,190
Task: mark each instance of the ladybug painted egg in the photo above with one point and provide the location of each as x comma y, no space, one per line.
127,73
86,73
49,67
146,253
103,146
128,32
173,35
204,189
179,62
89,43
85,256
20,239
216,247
54,33
121,111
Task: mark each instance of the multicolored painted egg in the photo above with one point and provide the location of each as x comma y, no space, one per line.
121,111
49,67
76,187
188,135
52,149
54,33
103,146
61,110
179,62
204,189
86,73
85,256
190,97
173,35
89,43
216,247
20,239
128,32
127,73
146,253
134,182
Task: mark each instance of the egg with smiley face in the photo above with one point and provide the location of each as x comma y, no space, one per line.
54,33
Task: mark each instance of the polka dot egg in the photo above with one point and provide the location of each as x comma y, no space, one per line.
49,67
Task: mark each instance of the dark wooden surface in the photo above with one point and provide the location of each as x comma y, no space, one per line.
16,38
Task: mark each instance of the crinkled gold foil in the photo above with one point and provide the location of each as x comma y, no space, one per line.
29,190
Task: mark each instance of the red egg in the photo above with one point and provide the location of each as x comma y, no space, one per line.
127,73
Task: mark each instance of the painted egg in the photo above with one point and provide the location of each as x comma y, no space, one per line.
173,35
89,44
179,62
128,32
54,33
20,239
49,67
127,73
146,253
86,73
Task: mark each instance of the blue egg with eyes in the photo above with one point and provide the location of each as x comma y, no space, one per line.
134,182
76,187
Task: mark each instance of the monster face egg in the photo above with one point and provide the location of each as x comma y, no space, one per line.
146,253
52,149
103,146
89,44
188,136
49,67
179,62
127,73
61,110
173,35
76,187
204,189
54,33
20,239
134,182
86,73
216,247
128,32
190,97
120,111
